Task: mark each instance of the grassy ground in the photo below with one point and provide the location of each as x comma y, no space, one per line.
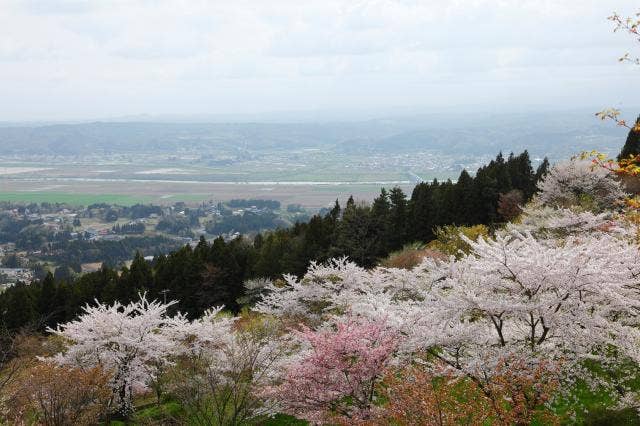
171,413
591,407
82,199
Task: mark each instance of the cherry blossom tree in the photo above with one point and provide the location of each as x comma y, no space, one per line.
253,290
516,297
340,286
545,222
314,297
130,341
339,369
138,342
205,336
579,183
222,383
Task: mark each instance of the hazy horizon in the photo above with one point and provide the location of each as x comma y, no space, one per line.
328,115
81,60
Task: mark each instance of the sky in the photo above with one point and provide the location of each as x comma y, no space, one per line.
92,59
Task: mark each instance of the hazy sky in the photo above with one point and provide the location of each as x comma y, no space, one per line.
65,59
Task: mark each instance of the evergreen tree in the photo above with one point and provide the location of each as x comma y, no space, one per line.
19,310
466,202
542,170
272,250
381,205
398,219
221,278
105,282
631,147
63,273
351,204
357,235
381,218
421,211
140,273
335,212
488,193
181,274
521,174
46,300
202,249
500,171
257,241
316,241
65,305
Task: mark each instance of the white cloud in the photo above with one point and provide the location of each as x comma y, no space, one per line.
198,56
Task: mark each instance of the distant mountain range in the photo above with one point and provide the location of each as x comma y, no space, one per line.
556,135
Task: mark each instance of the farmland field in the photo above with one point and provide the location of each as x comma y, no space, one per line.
70,198
127,193
305,163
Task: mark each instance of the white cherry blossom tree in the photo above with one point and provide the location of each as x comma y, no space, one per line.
549,223
222,377
130,341
515,296
580,182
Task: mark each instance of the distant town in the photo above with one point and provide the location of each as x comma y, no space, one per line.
66,240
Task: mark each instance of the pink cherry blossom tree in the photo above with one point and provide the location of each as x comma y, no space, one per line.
339,369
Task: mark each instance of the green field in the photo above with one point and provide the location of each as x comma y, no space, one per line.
78,199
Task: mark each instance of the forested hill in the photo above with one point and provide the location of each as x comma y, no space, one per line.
213,274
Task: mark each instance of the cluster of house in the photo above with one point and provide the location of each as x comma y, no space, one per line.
62,219
52,221
107,234
9,276
252,209
104,234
